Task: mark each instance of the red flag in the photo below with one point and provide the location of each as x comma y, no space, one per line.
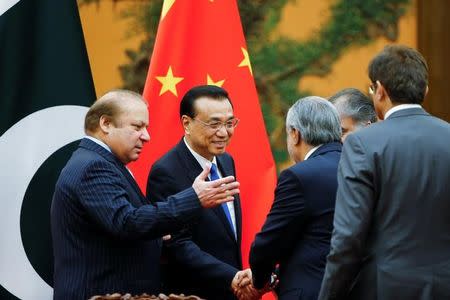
202,42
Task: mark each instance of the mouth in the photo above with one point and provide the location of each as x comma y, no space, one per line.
220,144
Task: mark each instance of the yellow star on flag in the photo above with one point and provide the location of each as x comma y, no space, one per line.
246,61
169,82
209,81
166,7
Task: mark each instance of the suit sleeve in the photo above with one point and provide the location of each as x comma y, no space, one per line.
181,248
355,202
280,230
102,192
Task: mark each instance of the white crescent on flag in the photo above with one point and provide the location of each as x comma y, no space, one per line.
6,4
25,147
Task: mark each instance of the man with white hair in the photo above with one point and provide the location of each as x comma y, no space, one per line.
296,234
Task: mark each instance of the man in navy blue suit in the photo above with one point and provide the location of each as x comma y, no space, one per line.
106,235
296,234
205,258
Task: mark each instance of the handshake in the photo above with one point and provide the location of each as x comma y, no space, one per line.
242,286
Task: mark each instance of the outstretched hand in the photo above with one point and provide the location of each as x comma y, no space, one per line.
216,192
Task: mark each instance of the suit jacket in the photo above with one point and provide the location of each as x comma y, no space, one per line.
296,234
391,236
106,238
204,257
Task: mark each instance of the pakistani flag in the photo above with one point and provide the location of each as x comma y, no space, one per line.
45,89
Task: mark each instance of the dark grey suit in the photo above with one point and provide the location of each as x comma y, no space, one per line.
391,237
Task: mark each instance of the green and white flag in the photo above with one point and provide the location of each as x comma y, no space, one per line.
45,89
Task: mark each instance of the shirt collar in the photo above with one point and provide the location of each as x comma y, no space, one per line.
400,107
204,163
98,142
310,152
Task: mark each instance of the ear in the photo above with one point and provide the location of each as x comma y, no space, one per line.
105,124
186,122
380,92
383,96
295,136
426,90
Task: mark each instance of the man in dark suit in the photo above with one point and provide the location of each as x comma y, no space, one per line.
205,258
391,236
296,234
106,236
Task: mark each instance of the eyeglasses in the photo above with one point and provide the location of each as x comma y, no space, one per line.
372,89
217,125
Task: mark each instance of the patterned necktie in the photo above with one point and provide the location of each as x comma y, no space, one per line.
214,176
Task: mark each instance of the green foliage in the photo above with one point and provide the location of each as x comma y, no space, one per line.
279,64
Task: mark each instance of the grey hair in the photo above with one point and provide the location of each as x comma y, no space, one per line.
316,119
354,104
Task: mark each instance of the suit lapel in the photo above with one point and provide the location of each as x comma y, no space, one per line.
193,168
133,183
188,161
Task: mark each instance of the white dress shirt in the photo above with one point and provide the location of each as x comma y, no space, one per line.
400,107
98,142
310,152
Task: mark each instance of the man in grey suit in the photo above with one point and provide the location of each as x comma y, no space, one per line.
391,237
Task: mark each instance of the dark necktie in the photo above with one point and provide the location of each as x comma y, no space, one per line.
214,176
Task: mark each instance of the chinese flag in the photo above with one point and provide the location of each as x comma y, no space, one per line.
202,42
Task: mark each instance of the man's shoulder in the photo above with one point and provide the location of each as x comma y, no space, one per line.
389,129
82,163
84,159
300,169
168,157
172,162
316,166
226,157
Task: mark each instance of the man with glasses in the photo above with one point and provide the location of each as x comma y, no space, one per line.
355,110
205,258
391,237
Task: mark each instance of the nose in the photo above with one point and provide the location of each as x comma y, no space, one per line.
145,136
222,131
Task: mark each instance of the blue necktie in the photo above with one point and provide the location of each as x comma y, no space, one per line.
214,176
